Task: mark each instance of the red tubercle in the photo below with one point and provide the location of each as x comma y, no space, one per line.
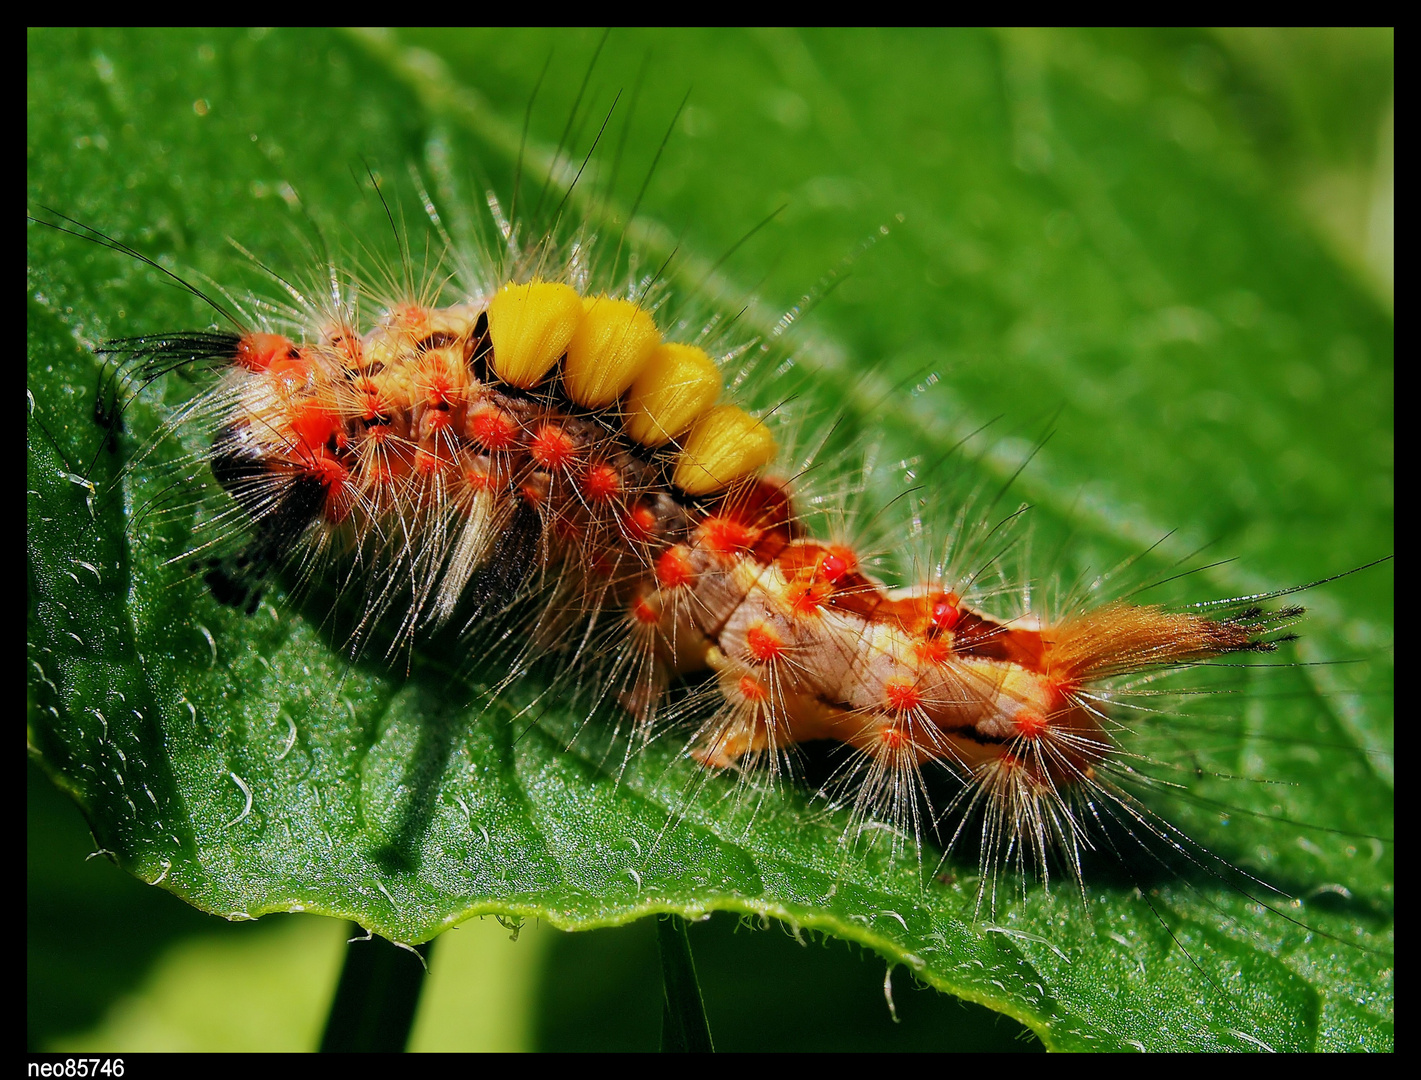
727,536
640,524
411,319
833,567
1030,724
313,426
761,513
644,613
291,371
1025,769
428,461
328,469
901,695
333,475
673,568
601,483
932,651
752,689
493,429
257,352
823,576
762,505
944,612
552,448
763,642
388,460
371,400
441,389
800,562
807,597
443,398
345,342
436,421
894,737
377,437
836,563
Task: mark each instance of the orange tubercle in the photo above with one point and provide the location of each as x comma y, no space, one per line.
806,598
931,651
893,737
751,689
429,462
1030,724
291,369
764,643
641,522
257,352
313,425
602,483
900,695
726,536
493,429
673,568
411,319
552,448
372,401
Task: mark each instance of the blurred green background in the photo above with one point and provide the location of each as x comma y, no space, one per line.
1298,121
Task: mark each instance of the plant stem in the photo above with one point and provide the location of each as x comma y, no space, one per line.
683,1017
376,999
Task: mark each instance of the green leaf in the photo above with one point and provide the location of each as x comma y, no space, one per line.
1071,232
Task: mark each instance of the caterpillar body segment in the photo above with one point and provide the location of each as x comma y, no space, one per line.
461,458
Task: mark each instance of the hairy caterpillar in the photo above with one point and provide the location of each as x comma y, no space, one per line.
231,812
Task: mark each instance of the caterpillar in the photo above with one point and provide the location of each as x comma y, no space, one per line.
421,579
455,455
